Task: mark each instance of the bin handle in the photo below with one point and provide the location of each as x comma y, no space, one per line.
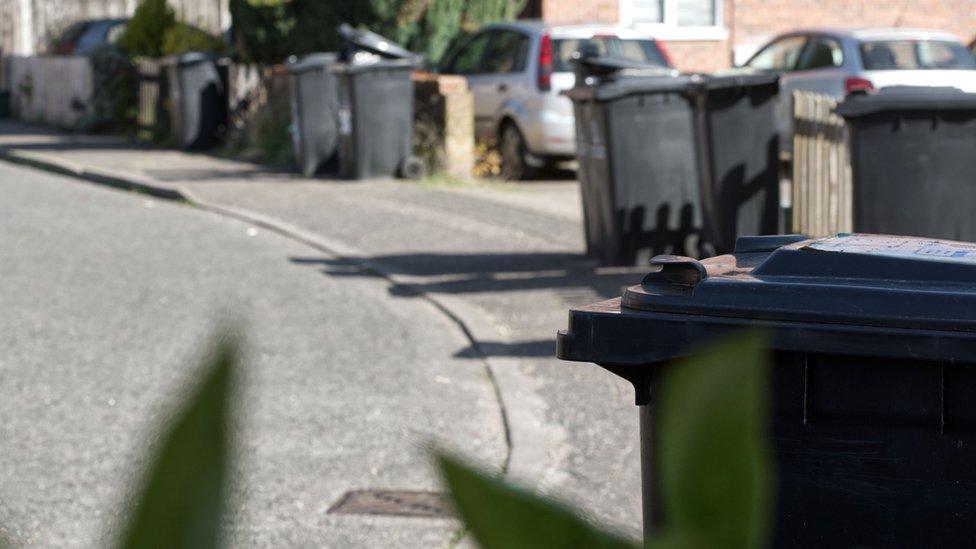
675,274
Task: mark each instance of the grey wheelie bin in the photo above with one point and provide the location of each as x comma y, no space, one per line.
673,164
873,376
913,162
198,95
315,113
375,107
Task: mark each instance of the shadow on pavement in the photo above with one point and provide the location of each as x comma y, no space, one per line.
433,264
552,174
489,272
261,172
542,348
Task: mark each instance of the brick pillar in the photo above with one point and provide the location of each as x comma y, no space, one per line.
444,124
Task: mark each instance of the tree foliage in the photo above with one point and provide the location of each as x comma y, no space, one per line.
183,38
145,32
271,30
154,31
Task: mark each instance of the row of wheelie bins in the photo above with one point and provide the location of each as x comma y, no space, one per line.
872,337
352,111
674,164
685,164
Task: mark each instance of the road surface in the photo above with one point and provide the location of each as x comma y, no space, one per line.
107,300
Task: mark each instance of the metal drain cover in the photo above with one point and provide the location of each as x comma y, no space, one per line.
403,503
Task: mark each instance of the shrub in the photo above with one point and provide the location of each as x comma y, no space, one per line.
182,38
145,32
262,29
114,101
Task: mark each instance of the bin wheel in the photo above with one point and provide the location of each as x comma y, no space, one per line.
411,168
512,150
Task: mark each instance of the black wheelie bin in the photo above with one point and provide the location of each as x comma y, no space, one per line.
873,376
637,167
738,144
673,164
913,161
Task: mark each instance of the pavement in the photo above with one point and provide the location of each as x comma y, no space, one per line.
500,263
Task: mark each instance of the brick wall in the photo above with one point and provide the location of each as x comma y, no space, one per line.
581,11
757,18
699,55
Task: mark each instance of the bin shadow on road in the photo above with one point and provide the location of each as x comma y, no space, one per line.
540,348
573,278
446,273
262,173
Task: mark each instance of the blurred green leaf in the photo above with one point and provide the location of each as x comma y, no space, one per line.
502,516
713,445
714,464
183,495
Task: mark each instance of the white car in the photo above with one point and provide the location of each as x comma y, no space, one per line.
839,62
516,72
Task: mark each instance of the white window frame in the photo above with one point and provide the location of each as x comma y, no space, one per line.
669,29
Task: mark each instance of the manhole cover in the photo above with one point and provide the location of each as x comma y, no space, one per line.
404,503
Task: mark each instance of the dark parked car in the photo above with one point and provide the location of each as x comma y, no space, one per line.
84,37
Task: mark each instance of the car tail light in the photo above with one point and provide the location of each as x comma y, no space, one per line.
545,63
853,84
664,53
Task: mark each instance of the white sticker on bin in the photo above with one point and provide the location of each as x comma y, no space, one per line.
898,246
345,121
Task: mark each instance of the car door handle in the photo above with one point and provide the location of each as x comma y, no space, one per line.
503,87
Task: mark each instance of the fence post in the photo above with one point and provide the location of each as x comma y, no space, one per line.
822,182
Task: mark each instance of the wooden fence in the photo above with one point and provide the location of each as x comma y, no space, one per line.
28,26
54,90
822,191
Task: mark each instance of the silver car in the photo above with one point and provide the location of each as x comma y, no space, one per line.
840,62
516,72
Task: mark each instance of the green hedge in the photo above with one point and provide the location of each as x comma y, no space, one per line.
154,31
268,31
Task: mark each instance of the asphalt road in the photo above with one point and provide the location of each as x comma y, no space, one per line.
107,299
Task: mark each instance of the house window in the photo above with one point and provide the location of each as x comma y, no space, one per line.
675,19
648,11
695,13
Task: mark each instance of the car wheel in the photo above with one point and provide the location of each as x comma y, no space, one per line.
512,150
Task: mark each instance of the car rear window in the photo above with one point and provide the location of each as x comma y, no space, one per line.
645,51
894,55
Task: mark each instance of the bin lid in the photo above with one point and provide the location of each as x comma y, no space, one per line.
858,279
666,82
194,57
850,294
374,43
744,80
379,64
595,65
907,98
312,61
